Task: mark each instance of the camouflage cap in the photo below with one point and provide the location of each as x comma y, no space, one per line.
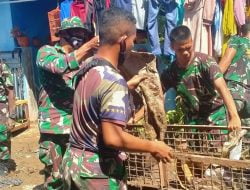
71,23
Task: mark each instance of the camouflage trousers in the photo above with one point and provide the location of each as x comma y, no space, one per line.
51,151
90,171
219,118
5,143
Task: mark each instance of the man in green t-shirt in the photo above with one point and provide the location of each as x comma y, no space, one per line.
235,64
199,83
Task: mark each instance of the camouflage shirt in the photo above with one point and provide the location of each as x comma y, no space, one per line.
239,70
6,80
56,71
195,86
102,95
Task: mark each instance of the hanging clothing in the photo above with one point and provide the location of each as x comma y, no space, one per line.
217,32
171,12
208,16
239,11
65,9
229,25
139,10
181,11
124,4
99,7
193,19
198,17
85,11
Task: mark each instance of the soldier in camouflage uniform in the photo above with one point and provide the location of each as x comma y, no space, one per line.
235,65
100,112
57,66
7,110
200,84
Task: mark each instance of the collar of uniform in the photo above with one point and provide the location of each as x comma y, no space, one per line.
105,60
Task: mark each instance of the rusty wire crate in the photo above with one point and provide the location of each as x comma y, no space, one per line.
200,139
197,165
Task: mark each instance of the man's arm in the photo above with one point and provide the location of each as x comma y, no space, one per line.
83,52
49,59
115,137
227,59
234,119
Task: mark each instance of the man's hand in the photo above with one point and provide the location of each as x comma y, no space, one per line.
93,43
234,123
86,50
135,81
234,119
161,151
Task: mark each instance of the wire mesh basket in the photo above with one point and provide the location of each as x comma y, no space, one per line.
198,163
201,139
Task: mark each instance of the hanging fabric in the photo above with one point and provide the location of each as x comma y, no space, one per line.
139,10
123,4
99,7
193,19
208,16
170,22
239,11
217,29
85,11
65,9
181,11
229,25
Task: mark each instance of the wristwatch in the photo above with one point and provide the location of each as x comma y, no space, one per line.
12,116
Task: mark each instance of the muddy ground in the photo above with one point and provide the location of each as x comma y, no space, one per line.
25,155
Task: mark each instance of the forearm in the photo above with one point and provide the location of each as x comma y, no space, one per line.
122,140
83,52
227,98
58,63
227,59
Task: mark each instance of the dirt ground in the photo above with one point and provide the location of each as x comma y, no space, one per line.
25,154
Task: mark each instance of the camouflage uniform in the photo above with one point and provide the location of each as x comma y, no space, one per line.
202,103
6,81
101,95
56,70
237,76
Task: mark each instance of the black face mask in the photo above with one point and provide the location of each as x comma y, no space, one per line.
122,53
75,42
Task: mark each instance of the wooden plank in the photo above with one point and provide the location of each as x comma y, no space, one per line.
207,160
20,126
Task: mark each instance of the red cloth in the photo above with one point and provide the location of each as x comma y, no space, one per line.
82,10
108,3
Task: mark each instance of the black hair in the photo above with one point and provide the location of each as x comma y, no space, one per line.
115,23
245,29
180,34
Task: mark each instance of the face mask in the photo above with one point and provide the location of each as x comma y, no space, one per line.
75,42
122,53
